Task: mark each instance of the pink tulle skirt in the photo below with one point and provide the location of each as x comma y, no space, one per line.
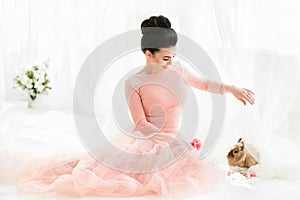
84,175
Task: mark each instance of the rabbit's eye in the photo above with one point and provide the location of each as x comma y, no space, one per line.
235,151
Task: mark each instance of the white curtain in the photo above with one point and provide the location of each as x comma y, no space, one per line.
257,47
254,44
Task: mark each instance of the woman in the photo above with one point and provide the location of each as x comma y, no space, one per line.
165,163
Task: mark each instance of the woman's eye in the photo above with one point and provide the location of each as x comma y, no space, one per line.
165,59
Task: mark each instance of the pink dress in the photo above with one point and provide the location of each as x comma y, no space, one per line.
155,103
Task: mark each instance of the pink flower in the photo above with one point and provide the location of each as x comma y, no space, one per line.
253,174
196,143
229,173
245,174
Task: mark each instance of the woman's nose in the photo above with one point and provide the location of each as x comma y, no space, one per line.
170,61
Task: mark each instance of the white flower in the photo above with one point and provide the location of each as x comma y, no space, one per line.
24,79
40,81
40,77
29,84
39,87
36,73
32,78
42,73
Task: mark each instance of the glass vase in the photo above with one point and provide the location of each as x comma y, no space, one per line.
30,101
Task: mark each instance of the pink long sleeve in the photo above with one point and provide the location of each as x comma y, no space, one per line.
137,111
155,100
198,82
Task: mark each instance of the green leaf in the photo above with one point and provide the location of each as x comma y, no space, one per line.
29,74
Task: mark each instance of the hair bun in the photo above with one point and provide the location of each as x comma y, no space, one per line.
157,34
154,21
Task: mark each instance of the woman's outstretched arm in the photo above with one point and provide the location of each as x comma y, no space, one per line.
242,94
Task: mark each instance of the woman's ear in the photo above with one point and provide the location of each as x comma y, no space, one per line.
148,54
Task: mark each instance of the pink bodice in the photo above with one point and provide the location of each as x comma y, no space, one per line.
155,100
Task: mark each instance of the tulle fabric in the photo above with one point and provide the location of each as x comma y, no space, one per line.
84,175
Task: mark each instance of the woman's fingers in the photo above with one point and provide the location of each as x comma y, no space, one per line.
250,101
250,98
243,101
244,95
250,91
248,95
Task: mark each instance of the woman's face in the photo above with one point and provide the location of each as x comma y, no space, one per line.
163,57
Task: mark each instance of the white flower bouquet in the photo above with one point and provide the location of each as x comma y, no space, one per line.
33,79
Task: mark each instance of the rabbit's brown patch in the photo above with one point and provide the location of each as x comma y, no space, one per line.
239,156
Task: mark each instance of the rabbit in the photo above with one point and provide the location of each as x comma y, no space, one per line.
238,156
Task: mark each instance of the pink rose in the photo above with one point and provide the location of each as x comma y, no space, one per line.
253,174
196,143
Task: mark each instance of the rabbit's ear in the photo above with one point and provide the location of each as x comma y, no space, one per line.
240,140
243,145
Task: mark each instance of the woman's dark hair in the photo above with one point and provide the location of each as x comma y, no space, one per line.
157,33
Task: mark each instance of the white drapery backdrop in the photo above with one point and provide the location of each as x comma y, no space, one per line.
254,44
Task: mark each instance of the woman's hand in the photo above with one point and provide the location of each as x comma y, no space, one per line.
241,94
